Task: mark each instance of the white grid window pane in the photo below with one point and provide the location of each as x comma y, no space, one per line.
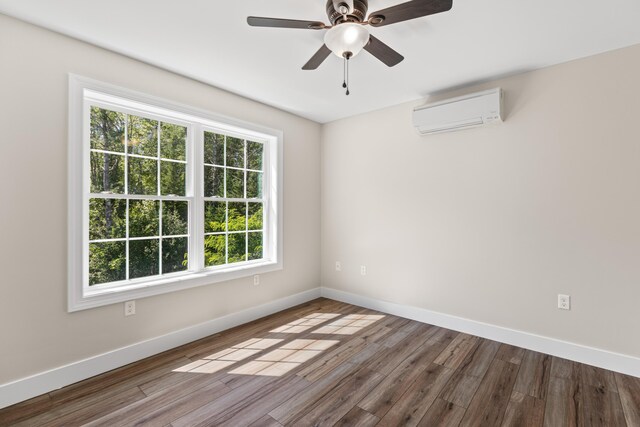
136,227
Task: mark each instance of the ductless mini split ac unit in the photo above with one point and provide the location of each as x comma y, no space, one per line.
459,113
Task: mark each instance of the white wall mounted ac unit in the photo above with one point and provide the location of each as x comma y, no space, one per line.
459,113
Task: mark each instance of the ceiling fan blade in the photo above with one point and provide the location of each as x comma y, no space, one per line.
383,52
409,10
257,21
318,58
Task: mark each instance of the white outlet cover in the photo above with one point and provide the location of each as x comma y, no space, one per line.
256,280
363,270
564,302
129,308
338,266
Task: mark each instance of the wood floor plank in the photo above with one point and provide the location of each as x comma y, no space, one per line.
108,396
416,401
466,380
442,414
130,375
461,389
336,404
602,407
564,404
510,354
443,336
244,405
490,402
165,406
366,355
376,334
183,406
566,369
330,360
455,353
395,322
390,321
393,387
524,411
392,357
88,412
358,417
599,378
298,405
533,376
629,390
234,381
170,379
602,404
212,409
479,358
259,405
26,409
400,333
266,421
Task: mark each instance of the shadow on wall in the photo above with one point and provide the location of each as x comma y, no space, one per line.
513,100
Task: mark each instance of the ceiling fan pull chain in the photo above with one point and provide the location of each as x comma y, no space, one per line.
347,77
344,72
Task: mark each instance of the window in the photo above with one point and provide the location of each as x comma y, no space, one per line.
164,197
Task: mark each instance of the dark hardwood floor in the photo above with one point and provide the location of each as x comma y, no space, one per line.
326,363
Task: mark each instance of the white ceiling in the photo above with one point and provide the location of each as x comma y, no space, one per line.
209,40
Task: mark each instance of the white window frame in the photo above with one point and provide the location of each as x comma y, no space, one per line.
85,92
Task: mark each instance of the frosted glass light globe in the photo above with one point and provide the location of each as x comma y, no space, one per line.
347,37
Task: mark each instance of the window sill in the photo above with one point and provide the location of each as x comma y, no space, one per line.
106,296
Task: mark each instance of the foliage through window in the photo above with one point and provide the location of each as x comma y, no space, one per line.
233,199
165,198
138,209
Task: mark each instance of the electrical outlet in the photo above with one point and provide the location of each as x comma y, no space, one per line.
338,266
564,302
256,280
129,308
363,270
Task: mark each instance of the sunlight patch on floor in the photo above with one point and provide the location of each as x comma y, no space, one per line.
305,323
227,357
349,324
285,358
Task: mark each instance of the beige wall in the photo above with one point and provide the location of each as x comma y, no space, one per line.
491,224
36,332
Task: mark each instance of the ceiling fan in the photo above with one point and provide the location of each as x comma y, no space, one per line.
347,35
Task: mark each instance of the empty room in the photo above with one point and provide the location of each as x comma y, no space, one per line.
320,213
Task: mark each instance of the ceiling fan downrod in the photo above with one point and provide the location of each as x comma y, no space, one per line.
346,11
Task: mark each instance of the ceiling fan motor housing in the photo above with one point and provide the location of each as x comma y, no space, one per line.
358,13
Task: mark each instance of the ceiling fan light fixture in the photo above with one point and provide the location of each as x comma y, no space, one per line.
346,37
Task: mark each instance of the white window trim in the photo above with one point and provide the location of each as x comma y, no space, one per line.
79,296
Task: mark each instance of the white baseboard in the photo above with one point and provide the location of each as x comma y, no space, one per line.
591,356
26,388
